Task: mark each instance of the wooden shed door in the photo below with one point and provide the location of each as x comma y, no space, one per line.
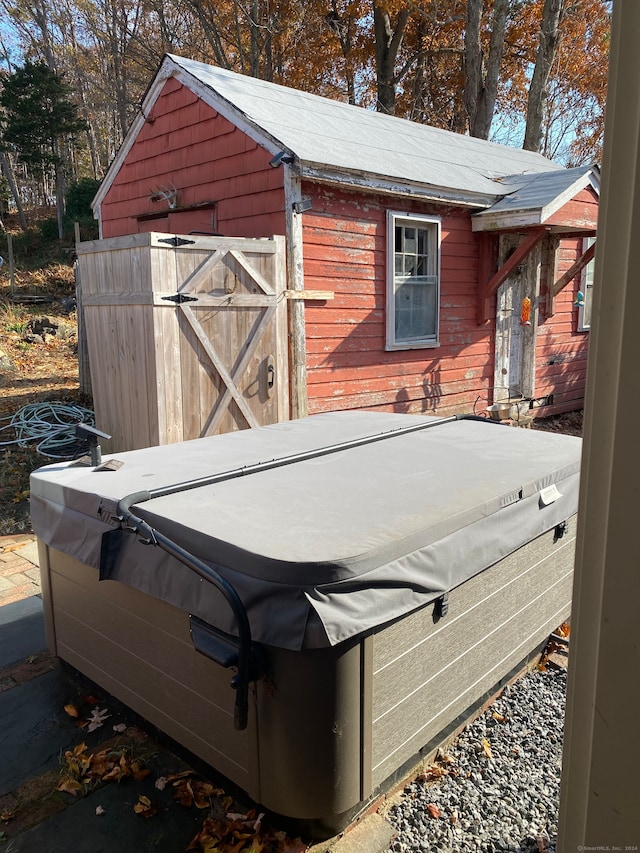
223,327
515,343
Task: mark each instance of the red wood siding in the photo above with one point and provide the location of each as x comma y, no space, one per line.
561,350
186,144
580,212
347,365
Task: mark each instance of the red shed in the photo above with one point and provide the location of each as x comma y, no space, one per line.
427,272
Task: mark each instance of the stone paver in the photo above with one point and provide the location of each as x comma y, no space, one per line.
19,574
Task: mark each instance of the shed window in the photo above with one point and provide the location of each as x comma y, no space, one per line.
413,249
586,286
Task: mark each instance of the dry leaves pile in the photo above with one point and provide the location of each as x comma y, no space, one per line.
84,770
238,833
555,646
224,830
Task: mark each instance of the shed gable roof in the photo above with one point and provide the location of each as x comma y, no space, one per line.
333,141
536,197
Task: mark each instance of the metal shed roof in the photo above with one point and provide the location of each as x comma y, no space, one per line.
322,133
335,141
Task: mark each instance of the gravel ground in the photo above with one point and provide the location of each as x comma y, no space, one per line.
497,787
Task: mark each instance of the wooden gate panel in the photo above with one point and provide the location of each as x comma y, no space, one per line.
185,335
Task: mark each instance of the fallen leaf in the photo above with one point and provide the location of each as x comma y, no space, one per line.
100,811
120,727
202,794
486,746
433,771
543,844
184,793
5,817
498,717
161,783
16,545
176,776
564,630
97,719
69,786
433,810
453,820
71,710
144,807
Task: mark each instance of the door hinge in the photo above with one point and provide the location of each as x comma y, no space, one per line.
179,298
176,241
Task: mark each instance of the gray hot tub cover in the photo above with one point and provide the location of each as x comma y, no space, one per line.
325,548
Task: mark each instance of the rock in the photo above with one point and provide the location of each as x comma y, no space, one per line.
41,328
6,365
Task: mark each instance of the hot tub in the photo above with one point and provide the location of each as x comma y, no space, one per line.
306,606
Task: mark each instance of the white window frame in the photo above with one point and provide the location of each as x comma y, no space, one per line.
586,286
395,218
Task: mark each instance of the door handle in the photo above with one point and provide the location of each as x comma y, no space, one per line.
271,375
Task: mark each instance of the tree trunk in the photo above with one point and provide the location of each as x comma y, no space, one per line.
388,43
480,78
536,103
7,171
254,39
60,194
342,27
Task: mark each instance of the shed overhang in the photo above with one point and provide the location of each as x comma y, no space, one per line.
537,199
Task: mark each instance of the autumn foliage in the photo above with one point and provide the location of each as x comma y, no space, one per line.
433,61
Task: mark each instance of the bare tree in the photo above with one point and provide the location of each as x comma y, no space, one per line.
481,78
547,46
388,40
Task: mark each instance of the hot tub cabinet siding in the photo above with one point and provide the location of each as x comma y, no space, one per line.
328,727
333,719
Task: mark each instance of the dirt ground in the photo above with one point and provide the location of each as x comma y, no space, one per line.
33,369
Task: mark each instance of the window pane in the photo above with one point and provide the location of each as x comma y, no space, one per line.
415,309
410,241
586,311
415,282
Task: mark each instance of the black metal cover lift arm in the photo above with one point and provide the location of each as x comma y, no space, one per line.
240,681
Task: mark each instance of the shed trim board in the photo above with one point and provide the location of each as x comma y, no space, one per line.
406,189
295,276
